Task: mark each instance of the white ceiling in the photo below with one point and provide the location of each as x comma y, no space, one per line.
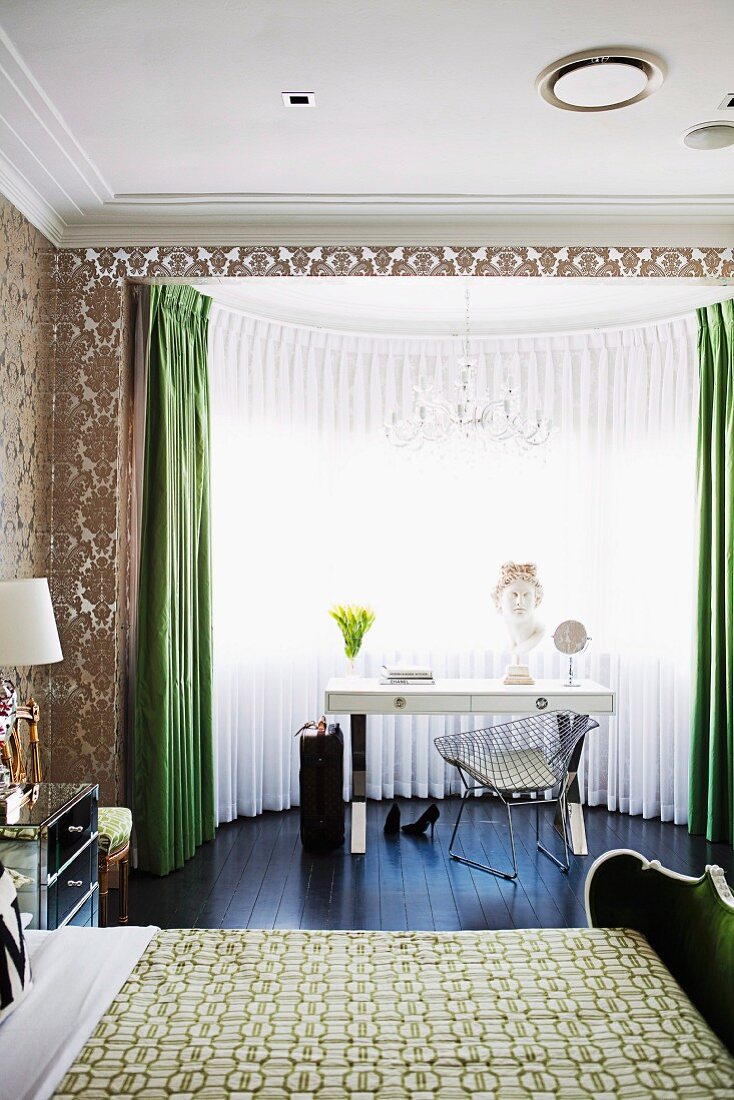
435,305
141,121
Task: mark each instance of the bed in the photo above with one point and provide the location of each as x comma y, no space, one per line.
269,1014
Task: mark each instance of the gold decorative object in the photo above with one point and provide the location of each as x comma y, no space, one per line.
12,747
28,638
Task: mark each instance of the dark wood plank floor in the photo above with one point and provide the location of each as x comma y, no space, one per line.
255,874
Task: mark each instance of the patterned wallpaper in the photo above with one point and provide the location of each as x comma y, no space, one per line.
26,430
89,377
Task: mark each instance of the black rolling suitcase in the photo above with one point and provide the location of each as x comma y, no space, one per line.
321,780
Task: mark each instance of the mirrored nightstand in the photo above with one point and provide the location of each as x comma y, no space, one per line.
53,844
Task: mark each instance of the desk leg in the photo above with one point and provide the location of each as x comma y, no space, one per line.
576,827
358,724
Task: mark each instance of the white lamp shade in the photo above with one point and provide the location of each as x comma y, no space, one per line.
28,634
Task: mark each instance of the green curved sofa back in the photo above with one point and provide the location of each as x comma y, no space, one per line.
690,925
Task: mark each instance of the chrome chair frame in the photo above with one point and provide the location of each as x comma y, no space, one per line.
564,865
557,760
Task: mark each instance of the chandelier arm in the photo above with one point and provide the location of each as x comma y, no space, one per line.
472,416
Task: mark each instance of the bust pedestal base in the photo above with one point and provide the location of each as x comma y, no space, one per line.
518,674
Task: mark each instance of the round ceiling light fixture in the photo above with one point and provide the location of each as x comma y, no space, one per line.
710,135
600,80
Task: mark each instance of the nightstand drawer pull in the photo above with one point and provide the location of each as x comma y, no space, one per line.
399,703
541,703
76,828
74,882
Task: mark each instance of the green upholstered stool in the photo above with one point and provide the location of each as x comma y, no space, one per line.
114,828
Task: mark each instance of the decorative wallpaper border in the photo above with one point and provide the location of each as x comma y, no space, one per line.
92,441
197,262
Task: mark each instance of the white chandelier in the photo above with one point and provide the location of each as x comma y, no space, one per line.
471,417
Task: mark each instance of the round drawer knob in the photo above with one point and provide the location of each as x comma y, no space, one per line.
541,703
399,702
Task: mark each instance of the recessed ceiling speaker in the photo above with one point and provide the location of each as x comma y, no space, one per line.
710,135
600,80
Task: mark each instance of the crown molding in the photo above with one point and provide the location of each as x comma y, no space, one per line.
204,200
142,220
411,219
179,219
43,169
30,203
28,110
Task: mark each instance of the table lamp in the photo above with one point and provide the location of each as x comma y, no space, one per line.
28,637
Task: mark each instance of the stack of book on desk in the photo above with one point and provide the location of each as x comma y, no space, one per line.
406,674
11,800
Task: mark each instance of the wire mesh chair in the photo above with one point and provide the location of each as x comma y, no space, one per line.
529,756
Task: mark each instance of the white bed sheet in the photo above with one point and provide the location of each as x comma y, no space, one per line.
77,972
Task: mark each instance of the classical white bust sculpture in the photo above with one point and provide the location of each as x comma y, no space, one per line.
517,596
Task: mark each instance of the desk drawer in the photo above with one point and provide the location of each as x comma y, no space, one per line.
398,704
537,704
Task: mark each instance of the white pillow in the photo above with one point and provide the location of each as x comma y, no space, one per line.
15,963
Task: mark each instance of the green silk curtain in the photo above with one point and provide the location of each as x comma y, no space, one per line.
711,794
173,743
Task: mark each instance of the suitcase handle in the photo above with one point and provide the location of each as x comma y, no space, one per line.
319,726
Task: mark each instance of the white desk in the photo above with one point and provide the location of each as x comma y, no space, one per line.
360,697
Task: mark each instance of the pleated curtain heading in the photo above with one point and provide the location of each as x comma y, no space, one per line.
173,734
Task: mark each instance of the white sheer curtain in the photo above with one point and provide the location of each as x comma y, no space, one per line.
311,505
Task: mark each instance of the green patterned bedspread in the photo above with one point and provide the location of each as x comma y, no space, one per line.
430,1016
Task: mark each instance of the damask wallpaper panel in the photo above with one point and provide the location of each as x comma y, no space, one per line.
88,550
26,420
92,442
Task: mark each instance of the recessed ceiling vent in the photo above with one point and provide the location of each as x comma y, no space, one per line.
299,99
710,135
600,80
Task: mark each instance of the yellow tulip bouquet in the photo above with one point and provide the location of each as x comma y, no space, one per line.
354,621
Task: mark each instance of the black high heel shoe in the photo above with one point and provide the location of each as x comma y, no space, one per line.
430,817
392,821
